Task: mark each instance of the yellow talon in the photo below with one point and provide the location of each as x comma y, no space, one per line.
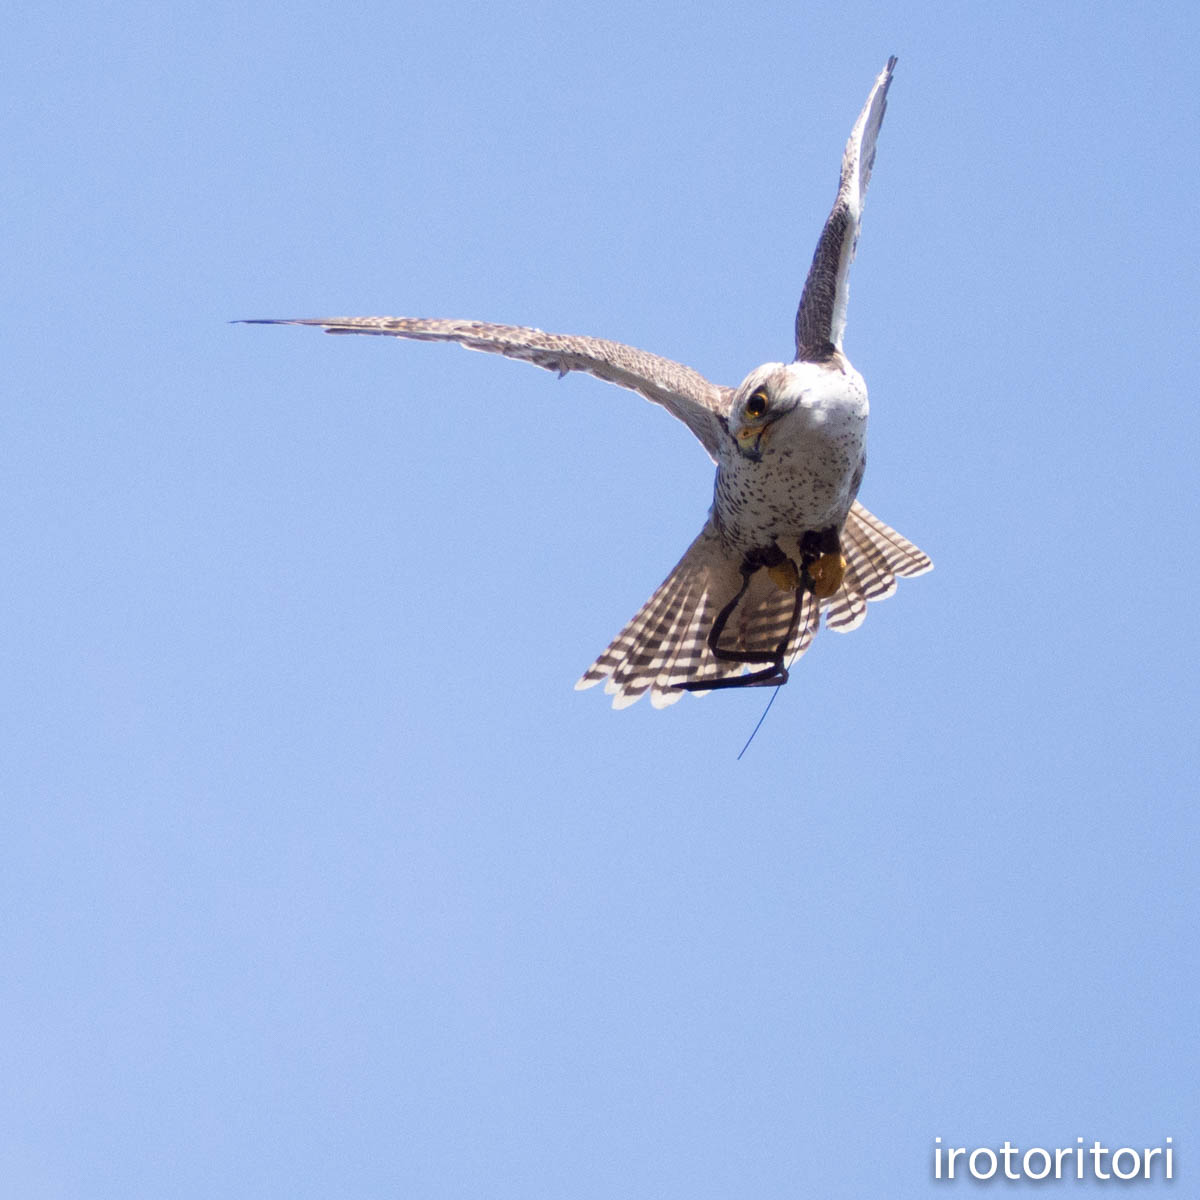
827,574
785,576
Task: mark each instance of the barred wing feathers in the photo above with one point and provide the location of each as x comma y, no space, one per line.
821,317
684,393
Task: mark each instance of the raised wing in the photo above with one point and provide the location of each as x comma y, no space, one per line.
684,393
821,318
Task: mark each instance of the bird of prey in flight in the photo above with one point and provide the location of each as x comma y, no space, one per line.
786,540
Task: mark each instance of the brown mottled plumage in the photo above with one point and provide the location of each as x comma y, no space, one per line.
789,448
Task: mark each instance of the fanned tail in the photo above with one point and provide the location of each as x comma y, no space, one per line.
667,641
875,556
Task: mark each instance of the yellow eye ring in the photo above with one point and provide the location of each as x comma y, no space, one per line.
757,404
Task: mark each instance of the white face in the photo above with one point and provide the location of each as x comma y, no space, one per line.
781,402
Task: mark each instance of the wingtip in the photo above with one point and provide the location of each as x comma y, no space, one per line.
328,324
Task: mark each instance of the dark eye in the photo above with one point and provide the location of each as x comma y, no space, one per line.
757,404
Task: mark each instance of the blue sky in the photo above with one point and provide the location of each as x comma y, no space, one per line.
317,877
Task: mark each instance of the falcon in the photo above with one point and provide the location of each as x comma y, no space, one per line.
786,539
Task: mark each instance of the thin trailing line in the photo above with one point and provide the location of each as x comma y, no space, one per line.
760,721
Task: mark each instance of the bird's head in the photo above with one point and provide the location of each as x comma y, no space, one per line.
779,402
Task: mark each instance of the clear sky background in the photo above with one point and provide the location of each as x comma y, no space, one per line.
316,877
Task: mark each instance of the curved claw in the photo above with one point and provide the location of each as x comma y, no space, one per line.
826,574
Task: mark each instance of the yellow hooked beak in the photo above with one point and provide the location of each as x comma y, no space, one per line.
752,441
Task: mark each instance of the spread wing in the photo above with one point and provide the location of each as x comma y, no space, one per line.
821,318
684,393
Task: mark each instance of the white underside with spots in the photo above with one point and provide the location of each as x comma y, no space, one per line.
811,465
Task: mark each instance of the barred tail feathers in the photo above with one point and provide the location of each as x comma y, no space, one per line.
875,556
667,641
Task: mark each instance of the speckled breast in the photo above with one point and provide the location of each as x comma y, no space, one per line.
803,482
